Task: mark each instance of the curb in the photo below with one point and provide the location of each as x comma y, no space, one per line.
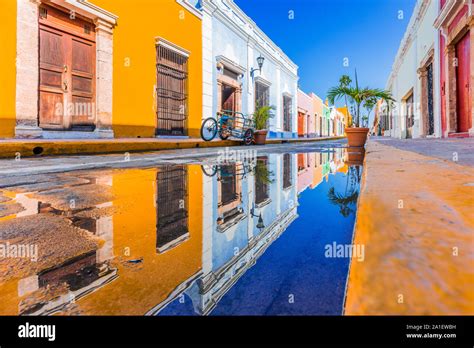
38,148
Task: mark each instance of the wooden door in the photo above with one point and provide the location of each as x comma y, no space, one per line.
463,74
300,124
228,98
66,71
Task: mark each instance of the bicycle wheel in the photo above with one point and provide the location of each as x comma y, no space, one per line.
209,170
224,134
248,137
209,129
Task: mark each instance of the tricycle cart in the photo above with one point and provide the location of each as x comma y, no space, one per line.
229,123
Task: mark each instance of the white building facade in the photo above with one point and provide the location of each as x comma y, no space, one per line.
414,79
232,80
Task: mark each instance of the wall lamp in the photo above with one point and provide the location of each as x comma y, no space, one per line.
260,224
260,61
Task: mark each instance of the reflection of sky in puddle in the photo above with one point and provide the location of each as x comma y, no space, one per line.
182,239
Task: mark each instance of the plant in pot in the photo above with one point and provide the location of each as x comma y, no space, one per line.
357,135
260,117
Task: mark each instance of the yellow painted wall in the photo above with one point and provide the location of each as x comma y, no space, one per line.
7,67
139,23
347,115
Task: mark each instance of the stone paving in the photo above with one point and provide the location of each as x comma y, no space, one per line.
415,220
446,149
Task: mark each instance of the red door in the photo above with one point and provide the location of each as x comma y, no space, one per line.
463,74
66,71
301,121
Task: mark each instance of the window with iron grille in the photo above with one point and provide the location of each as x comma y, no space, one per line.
171,92
228,184
261,183
262,95
287,113
287,171
171,206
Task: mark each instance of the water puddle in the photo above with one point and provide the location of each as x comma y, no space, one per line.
229,236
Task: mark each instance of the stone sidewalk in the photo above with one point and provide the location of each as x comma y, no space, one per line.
447,149
415,218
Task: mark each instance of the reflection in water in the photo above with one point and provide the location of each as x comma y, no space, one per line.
194,239
171,207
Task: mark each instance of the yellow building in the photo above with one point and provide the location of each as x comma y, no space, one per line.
7,67
100,68
320,121
347,115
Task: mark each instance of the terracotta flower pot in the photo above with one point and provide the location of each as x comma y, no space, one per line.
260,137
355,156
356,137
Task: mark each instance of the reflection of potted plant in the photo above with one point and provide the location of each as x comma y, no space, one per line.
343,201
261,117
262,173
349,198
357,136
355,158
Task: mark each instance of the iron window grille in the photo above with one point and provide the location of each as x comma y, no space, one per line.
228,184
171,206
287,106
171,92
287,171
261,186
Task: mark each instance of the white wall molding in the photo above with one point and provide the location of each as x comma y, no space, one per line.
159,41
190,7
234,18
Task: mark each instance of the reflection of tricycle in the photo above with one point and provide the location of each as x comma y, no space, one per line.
228,123
230,170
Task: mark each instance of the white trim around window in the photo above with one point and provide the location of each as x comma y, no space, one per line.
159,41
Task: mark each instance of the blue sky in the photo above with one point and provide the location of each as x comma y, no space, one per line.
324,32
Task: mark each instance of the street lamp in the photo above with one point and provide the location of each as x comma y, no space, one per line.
260,61
260,224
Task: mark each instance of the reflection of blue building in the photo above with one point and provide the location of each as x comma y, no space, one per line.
234,235
249,266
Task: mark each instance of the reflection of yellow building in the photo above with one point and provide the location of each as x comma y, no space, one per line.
318,170
165,240
140,287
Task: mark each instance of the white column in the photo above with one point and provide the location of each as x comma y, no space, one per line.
27,49
251,81
208,66
208,207
278,122
104,85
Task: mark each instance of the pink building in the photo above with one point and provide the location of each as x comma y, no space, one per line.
306,164
306,116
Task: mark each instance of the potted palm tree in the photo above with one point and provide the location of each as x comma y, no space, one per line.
260,117
357,135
